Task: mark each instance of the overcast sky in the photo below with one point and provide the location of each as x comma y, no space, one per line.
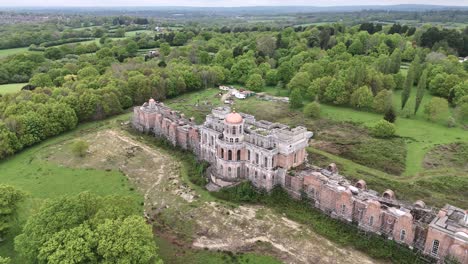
221,3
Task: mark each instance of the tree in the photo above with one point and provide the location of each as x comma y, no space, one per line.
356,48
382,101
79,148
390,115
9,199
241,70
255,83
312,110
442,83
421,90
362,97
383,129
300,81
41,80
266,45
436,109
462,109
459,91
165,48
336,92
285,72
405,94
53,53
87,228
5,260
128,240
271,77
295,99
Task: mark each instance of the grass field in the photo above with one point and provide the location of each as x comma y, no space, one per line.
30,171
11,87
41,180
136,32
8,52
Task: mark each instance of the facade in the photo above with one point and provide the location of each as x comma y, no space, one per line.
240,148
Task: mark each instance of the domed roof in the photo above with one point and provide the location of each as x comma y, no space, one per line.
234,118
151,100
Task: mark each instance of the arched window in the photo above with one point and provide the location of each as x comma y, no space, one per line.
229,171
264,176
248,154
238,172
222,153
238,154
205,138
230,140
212,141
256,158
435,247
265,161
256,174
229,154
272,161
221,169
240,129
371,221
233,130
343,209
237,140
402,235
295,157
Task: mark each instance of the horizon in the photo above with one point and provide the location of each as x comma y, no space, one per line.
225,4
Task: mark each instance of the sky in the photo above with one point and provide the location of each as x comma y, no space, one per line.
224,3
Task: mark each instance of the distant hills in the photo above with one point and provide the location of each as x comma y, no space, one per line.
246,9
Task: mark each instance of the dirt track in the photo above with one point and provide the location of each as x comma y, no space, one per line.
207,223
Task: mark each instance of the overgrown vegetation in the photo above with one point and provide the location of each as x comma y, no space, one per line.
302,212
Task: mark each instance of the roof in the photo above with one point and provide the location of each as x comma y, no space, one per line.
234,118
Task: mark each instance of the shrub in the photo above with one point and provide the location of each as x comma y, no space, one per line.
383,129
295,99
79,148
312,110
255,82
390,115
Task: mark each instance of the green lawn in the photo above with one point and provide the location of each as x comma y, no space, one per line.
135,32
8,52
11,87
41,180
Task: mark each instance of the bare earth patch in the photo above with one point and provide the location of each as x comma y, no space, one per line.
454,155
207,223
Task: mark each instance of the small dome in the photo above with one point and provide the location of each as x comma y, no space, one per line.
151,100
234,118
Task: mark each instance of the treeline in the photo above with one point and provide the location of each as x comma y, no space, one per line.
331,64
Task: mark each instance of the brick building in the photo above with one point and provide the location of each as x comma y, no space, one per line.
240,148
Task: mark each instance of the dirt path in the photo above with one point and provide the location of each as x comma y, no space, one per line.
207,223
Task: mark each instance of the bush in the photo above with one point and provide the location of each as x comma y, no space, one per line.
383,129
390,115
79,148
312,110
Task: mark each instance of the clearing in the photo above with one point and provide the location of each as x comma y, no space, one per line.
11,87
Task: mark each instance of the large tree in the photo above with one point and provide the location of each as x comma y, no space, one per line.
87,228
420,91
9,199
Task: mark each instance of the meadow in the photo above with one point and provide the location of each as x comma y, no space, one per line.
8,52
11,87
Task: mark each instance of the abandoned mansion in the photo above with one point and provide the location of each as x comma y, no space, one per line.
239,147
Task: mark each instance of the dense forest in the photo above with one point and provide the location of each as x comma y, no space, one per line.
356,66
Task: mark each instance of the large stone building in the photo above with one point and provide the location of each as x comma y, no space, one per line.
239,148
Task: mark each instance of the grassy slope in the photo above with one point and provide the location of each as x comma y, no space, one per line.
7,52
11,87
42,180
